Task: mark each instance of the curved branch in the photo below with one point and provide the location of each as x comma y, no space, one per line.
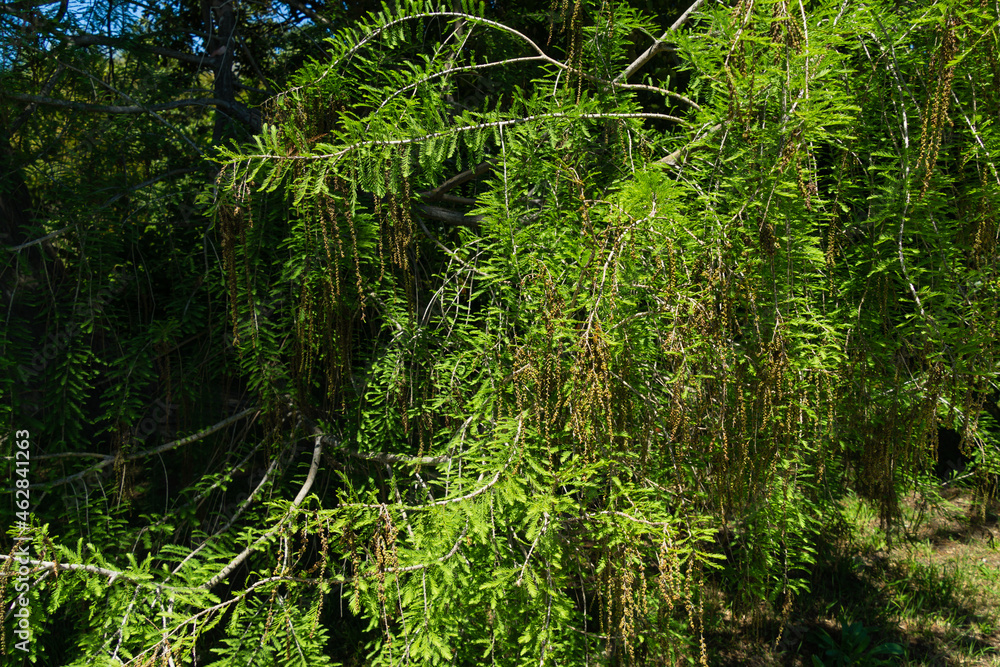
458,179
112,575
618,82
303,492
307,12
463,128
108,459
659,44
103,40
114,108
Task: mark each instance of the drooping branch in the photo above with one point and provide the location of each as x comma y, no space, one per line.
447,215
299,497
107,460
618,82
457,180
674,159
408,141
204,60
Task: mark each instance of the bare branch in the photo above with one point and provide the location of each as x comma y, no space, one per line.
659,44
447,215
674,159
103,40
113,108
308,12
303,492
108,459
46,90
43,239
311,476
458,179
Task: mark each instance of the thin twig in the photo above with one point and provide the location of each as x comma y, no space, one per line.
108,459
658,45
303,492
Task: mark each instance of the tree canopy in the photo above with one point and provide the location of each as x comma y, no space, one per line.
478,333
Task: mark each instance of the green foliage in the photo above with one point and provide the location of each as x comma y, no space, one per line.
855,648
567,359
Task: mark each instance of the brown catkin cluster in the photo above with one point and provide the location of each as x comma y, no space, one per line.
590,420
319,567
386,560
935,117
986,227
742,13
231,231
785,30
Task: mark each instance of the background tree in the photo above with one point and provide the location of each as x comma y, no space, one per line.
510,344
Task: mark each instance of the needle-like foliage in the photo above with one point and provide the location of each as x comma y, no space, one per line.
569,348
